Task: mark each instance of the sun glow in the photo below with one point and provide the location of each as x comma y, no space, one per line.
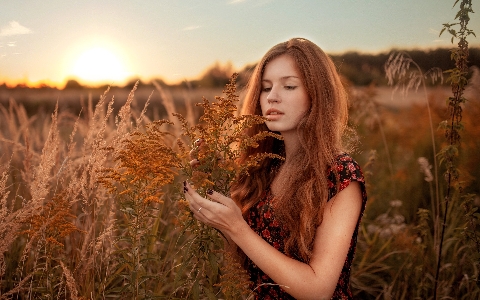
99,65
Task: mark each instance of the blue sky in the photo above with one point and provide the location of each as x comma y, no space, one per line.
178,39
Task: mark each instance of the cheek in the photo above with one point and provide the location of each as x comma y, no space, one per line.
263,102
304,105
303,109
299,116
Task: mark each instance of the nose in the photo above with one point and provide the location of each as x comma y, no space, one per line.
273,96
272,101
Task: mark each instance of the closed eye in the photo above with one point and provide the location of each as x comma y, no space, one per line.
266,89
290,87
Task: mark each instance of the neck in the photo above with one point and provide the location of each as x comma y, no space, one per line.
292,143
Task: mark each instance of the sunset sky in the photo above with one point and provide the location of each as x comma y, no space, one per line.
112,41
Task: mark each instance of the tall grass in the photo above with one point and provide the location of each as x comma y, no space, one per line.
63,234
66,235
97,212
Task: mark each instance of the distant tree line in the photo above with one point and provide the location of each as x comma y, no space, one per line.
365,69
358,69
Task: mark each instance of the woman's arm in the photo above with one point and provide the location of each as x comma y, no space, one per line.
316,280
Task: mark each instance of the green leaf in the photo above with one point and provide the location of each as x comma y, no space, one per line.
441,31
196,290
180,272
459,13
210,294
214,267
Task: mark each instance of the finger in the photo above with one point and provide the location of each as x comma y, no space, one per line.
194,163
200,213
196,147
193,197
188,196
217,197
195,201
194,207
193,153
198,142
198,201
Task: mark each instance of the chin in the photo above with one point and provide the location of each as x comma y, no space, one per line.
278,129
272,128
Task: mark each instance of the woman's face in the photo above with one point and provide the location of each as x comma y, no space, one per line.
283,99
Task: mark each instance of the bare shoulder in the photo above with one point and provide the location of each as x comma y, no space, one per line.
346,204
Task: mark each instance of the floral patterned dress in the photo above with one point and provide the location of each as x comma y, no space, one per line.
261,218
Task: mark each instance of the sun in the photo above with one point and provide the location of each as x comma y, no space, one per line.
99,65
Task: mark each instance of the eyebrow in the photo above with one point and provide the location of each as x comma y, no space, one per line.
284,77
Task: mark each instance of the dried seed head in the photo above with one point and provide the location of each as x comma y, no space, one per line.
425,168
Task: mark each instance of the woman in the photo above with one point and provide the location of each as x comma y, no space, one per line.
296,221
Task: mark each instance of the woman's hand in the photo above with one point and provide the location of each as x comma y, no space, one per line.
220,212
194,162
199,146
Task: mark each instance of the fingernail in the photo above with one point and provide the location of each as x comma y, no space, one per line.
209,191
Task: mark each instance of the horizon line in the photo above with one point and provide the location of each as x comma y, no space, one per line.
47,83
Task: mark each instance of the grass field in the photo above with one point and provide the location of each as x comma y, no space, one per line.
70,229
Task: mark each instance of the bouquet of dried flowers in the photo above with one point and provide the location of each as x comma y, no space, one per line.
150,167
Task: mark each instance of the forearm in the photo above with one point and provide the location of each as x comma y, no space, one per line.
232,249
316,280
295,277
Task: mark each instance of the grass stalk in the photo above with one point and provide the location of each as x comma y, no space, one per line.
458,80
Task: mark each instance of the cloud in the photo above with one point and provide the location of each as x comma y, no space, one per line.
191,28
14,28
437,34
433,31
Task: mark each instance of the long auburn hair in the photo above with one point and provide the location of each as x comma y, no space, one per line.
301,205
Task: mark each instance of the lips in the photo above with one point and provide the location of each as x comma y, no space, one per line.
273,111
273,114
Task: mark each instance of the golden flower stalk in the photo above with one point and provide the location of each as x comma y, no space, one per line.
223,139
149,162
